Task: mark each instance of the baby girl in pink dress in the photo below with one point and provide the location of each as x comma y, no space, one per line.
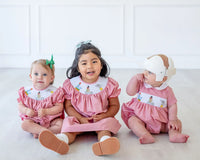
154,110
91,104
41,105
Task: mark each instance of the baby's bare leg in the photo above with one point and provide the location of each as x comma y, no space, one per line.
32,127
138,128
56,125
176,136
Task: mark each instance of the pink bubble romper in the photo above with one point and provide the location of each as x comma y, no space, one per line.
150,105
35,100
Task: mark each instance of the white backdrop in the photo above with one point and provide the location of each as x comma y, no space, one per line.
126,31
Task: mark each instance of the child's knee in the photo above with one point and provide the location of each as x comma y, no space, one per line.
25,124
134,120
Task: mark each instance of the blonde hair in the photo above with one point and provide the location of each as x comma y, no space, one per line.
42,62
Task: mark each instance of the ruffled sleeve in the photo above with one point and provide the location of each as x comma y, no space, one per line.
58,96
171,98
21,95
68,89
113,88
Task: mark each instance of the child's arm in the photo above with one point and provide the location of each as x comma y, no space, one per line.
25,110
111,112
133,85
173,123
69,109
57,108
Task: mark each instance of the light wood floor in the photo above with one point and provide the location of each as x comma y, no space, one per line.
19,145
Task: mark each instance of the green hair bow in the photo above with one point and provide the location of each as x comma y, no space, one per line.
51,62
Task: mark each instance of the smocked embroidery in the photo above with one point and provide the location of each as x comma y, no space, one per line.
86,88
39,95
152,100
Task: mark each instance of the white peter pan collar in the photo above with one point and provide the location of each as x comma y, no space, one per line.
163,86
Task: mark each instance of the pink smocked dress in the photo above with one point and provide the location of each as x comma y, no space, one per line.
35,100
89,100
150,105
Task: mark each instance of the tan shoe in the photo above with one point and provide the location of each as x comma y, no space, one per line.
50,141
106,147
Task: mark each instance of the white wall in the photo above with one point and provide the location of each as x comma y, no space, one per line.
126,31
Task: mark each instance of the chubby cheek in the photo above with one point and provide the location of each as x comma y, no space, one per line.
152,80
148,81
83,74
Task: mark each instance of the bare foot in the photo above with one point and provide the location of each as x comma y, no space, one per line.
147,139
178,138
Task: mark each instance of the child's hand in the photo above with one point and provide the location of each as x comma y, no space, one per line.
92,119
97,117
84,120
174,125
30,112
140,77
41,112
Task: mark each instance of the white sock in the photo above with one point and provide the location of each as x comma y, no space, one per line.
104,138
63,137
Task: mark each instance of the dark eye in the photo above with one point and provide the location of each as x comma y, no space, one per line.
84,64
150,72
36,74
44,74
94,61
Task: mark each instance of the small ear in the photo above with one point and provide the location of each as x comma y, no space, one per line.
30,76
52,78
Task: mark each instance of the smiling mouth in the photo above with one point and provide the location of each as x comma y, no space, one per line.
92,72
